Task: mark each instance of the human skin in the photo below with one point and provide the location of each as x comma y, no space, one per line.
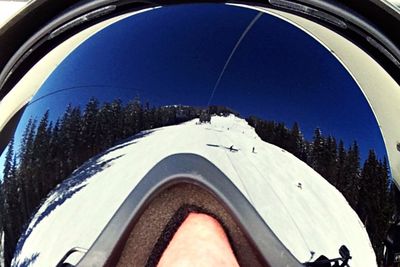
199,241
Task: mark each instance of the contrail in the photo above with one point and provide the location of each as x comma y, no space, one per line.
233,52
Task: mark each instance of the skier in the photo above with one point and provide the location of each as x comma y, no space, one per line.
231,148
254,149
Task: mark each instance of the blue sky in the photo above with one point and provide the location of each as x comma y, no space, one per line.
174,55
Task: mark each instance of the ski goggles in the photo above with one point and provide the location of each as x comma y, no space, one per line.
119,119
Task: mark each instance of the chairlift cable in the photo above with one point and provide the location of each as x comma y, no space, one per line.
248,28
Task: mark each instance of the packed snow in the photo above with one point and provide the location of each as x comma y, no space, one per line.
301,207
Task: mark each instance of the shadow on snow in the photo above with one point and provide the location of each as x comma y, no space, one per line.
231,149
129,141
66,190
27,261
74,184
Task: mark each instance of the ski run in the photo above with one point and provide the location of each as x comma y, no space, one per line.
301,207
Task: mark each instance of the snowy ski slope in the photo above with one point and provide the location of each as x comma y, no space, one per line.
315,217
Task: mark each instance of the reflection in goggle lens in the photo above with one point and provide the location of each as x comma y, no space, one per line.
257,97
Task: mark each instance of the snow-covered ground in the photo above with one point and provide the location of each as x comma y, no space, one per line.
315,217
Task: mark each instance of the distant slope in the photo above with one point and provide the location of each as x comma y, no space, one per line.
315,217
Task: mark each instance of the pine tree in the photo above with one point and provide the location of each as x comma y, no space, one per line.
133,119
5,185
168,115
89,131
74,138
367,189
25,168
149,117
105,126
297,144
8,160
385,190
56,153
373,206
326,159
282,136
352,175
341,167
12,219
118,120
70,128
41,158
24,212
385,201
317,151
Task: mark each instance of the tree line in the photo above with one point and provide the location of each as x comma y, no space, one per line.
49,151
367,187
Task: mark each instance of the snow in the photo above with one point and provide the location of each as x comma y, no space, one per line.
315,217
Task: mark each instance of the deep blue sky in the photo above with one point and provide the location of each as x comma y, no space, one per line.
174,55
